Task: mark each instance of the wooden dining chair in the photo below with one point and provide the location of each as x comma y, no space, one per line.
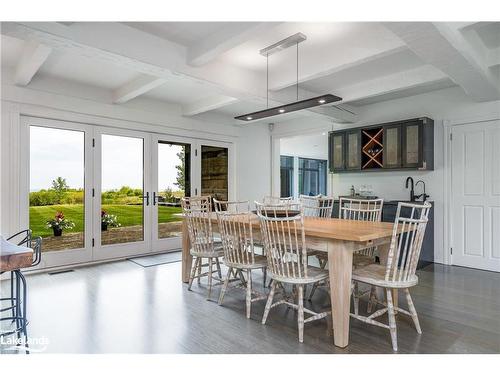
363,210
197,212
270,200
235,226
400,270
320,208
285,246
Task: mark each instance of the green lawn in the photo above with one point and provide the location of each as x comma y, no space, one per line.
127,215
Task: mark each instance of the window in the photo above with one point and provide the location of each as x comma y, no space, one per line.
312,176
286,176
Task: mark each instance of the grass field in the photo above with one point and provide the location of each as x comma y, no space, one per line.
127,215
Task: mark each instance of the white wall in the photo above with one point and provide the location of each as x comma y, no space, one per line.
253,162
449,104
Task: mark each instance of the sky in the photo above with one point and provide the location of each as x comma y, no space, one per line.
57,152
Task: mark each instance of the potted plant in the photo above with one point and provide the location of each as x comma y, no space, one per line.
108,220
58,223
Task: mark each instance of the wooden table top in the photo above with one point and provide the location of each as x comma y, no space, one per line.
13,257
339,229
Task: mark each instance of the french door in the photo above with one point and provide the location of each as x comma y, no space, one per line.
118,190
122,201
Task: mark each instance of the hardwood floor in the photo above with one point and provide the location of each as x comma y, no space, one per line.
122,307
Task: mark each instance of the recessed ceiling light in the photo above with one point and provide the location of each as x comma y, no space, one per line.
322,101
249,117
323,133
281,110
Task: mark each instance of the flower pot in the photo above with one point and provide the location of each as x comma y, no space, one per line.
104,227
57,232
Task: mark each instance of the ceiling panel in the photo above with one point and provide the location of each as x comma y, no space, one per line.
86,70
11,50
184,33
411,91
489,32
390,64
181,90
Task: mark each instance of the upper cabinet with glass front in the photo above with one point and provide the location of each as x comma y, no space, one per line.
405,144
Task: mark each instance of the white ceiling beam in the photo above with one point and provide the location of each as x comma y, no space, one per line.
232,35
421,76
137,87
33,57
446,49
207,104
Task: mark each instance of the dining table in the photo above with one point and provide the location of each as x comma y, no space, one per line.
339,238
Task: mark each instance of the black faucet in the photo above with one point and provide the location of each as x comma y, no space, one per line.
423,195
412,192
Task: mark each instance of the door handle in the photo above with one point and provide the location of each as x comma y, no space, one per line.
154,198
147,198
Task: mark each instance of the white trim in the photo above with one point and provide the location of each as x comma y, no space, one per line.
448,186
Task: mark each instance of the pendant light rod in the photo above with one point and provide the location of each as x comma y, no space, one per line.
267,81
297,71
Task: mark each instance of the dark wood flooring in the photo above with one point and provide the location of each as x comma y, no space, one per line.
122,307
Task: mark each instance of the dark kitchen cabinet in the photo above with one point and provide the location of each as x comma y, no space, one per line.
397,145
418,144
337,151
353,147
392,146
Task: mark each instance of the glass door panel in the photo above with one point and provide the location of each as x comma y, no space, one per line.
57,187
122,189
173,184
214,172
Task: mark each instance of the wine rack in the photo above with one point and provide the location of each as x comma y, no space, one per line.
372,148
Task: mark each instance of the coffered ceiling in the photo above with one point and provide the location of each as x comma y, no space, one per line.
216,66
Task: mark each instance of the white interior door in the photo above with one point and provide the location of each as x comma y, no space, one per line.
476,195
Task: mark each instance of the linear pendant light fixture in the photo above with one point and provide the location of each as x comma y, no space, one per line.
294,106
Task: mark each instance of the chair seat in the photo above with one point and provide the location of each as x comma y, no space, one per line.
362,260
259,262
314,275
374,274
216,252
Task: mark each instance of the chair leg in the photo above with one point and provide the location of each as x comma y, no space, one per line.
313,290
413,311
355,299
249,293
200,270
218,268
264,271
224,287
392,320
269,301
301,312
372,302
210,269
242,278
193,273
